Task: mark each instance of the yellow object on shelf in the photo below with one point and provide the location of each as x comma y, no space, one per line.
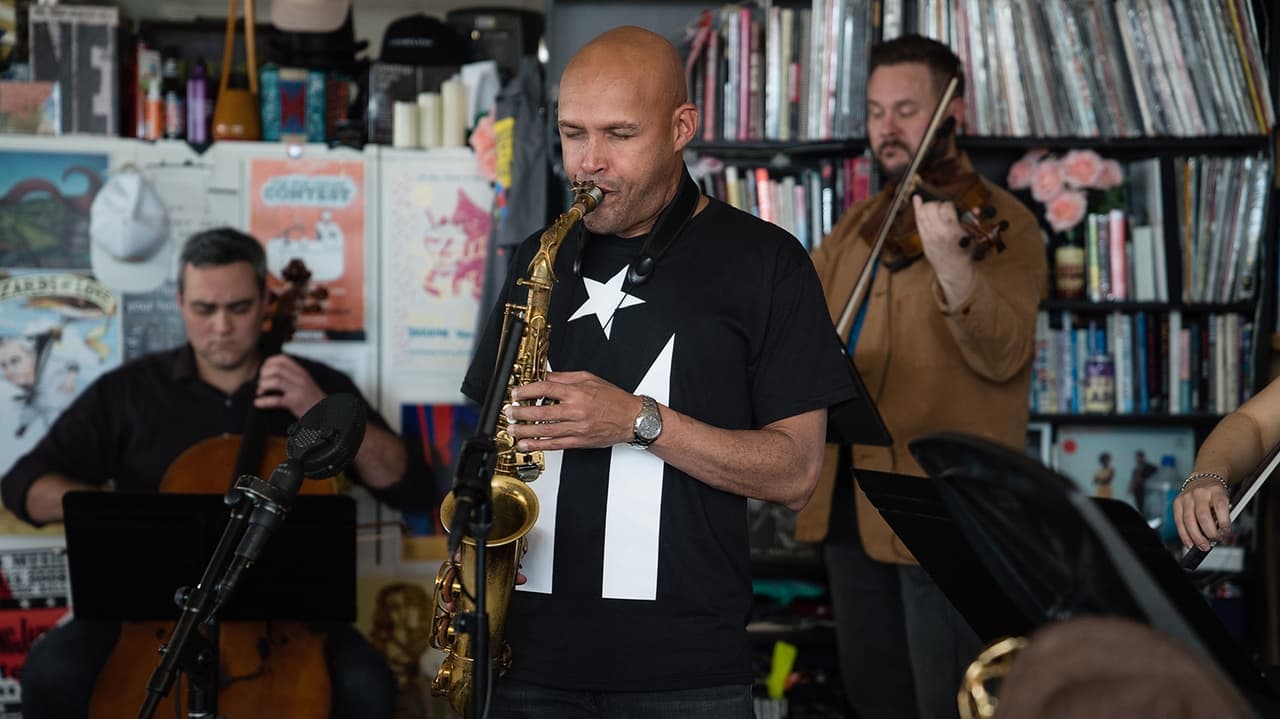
784,659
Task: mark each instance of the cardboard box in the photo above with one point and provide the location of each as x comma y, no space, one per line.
75,46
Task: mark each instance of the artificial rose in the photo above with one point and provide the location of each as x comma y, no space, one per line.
1047,181
1066,209
1112,175
485,145
1023,170
1081,168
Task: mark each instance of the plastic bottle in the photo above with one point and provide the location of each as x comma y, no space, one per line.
1158,493
175,116
198,105
155,111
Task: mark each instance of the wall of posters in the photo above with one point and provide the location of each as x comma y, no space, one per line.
61,327
313,211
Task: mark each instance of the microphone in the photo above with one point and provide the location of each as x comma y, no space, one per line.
323,441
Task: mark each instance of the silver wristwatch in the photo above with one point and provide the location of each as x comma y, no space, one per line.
648,424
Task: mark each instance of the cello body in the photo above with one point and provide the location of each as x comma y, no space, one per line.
265,669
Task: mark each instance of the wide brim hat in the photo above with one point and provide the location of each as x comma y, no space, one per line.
130,247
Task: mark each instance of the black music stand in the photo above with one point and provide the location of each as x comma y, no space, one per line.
856,420
127,553
1015,545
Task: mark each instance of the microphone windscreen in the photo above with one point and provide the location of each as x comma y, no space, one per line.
327,437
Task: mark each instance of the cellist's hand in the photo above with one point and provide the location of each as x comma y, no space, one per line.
940,234
282,382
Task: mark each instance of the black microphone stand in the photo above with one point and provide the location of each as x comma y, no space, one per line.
188,650
473,513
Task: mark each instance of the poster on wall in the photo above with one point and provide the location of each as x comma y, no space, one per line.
435,214
44,207
312,212
58,332
440,430
35,592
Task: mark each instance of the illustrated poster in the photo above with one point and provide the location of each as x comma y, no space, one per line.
44,207
435,228
58,333
313,211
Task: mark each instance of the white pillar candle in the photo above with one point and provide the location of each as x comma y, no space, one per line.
404,126
453,125
429,119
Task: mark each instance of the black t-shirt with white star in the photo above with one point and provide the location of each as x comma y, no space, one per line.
639,575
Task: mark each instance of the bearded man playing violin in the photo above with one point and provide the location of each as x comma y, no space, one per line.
944,341
130,427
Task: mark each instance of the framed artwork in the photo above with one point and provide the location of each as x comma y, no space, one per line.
1117,461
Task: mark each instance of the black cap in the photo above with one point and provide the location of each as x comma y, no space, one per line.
422,40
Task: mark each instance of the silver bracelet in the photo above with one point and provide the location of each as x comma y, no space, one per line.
1204,475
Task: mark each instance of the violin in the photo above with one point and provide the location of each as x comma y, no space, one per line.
966,191
262,668
971,198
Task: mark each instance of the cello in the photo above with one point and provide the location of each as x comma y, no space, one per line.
261,668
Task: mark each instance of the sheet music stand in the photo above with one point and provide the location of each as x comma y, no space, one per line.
127,553
1015,545
856,420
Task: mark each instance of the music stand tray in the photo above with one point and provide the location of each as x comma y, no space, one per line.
127,553
1014,545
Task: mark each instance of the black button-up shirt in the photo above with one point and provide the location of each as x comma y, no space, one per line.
133,422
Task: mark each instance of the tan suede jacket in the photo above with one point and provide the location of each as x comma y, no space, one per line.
929,366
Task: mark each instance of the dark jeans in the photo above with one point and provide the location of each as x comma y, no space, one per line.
63,666
519,700
903,648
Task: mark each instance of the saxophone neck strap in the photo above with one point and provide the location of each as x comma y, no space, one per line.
670,223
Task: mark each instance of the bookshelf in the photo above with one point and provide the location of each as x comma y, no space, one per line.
1154,129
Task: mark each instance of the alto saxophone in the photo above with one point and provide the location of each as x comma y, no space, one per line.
514,504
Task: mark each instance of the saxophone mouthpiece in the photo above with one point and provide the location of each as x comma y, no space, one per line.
587,195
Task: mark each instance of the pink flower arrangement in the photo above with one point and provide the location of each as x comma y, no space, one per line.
484,143
1063,184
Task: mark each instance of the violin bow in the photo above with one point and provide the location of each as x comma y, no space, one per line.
904,189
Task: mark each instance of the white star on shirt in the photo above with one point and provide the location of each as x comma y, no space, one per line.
605,298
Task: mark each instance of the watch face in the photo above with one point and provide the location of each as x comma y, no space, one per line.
648,426
648,423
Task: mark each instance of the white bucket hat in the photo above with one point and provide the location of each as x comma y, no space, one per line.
130,249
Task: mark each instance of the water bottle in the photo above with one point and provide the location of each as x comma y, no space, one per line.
1157,501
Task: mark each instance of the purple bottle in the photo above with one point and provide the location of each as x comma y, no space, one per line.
198,105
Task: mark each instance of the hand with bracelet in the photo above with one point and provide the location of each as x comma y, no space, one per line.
1202,509
1228,456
